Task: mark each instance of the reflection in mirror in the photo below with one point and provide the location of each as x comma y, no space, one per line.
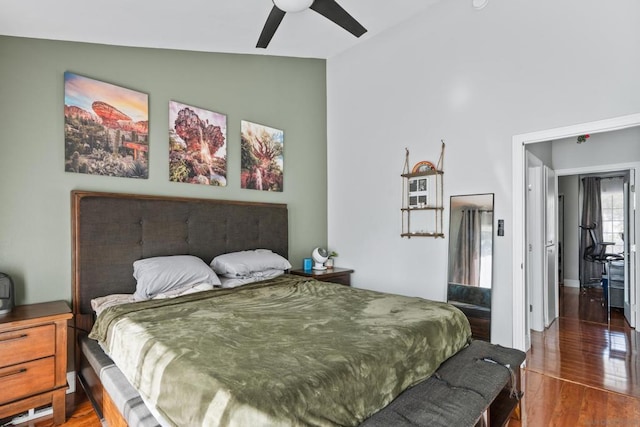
471,260
471,240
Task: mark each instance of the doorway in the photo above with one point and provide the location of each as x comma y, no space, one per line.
521,333
616,224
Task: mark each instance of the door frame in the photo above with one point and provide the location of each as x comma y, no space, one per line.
518,192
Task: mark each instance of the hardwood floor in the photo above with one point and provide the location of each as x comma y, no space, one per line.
581,371
80,413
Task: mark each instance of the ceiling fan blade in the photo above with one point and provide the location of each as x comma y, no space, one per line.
334,12
270,27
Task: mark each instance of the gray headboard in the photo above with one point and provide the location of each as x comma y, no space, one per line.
111,231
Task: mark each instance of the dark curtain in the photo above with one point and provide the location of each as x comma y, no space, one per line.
466,267
590,272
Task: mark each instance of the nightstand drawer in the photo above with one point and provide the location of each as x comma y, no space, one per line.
344,279
27,344
26,379
335,275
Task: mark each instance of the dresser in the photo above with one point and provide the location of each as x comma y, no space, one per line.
33,358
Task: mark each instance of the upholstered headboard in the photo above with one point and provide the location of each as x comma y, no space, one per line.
111,231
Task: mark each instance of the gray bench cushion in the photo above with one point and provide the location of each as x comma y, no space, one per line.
458,393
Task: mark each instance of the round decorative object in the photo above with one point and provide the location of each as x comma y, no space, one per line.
423,166
479,4
319,255
293,5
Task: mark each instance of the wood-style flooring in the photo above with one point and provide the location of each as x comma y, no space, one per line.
581,371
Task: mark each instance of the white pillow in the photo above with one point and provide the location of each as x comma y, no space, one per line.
233,281
186,290
244,263
163,274
99,304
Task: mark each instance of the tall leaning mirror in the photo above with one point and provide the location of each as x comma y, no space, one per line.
471,259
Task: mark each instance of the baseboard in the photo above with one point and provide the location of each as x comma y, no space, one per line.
71,380
571,283
30,415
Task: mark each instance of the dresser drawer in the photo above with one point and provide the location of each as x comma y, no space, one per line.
26,379
27,344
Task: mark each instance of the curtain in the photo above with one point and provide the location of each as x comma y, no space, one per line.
466,267
590,272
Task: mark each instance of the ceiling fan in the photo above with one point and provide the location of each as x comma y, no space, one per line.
327,8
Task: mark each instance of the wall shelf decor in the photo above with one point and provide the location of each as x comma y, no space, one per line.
422,206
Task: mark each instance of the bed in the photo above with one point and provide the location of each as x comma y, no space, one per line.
354,384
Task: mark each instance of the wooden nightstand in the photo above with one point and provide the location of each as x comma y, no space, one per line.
33,358
335,275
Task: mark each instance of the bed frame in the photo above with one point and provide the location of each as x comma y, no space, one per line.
110,231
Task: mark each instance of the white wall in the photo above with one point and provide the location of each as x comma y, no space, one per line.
568,186
609,148
475,79
542,150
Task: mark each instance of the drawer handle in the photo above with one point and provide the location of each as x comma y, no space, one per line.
19,337
18,372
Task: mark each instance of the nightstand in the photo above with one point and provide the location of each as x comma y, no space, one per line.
335,275
33,358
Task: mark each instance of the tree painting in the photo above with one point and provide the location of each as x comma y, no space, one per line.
197,145
261,157
106,128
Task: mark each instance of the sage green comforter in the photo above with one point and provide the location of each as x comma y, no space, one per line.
287,351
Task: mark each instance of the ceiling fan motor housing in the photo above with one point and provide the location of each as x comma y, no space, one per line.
293,5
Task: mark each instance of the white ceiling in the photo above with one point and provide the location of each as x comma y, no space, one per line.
199,25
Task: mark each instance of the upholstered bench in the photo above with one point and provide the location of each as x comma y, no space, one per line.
480,385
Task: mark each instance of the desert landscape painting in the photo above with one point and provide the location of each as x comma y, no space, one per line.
197,145
106,128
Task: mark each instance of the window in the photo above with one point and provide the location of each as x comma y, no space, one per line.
486,248
612,199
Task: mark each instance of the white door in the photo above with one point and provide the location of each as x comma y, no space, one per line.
630,249
560,239
550,293
535,239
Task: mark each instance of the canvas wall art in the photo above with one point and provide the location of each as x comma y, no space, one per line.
262,157
106,128
197,145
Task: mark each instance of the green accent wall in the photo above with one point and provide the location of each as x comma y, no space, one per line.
35,218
